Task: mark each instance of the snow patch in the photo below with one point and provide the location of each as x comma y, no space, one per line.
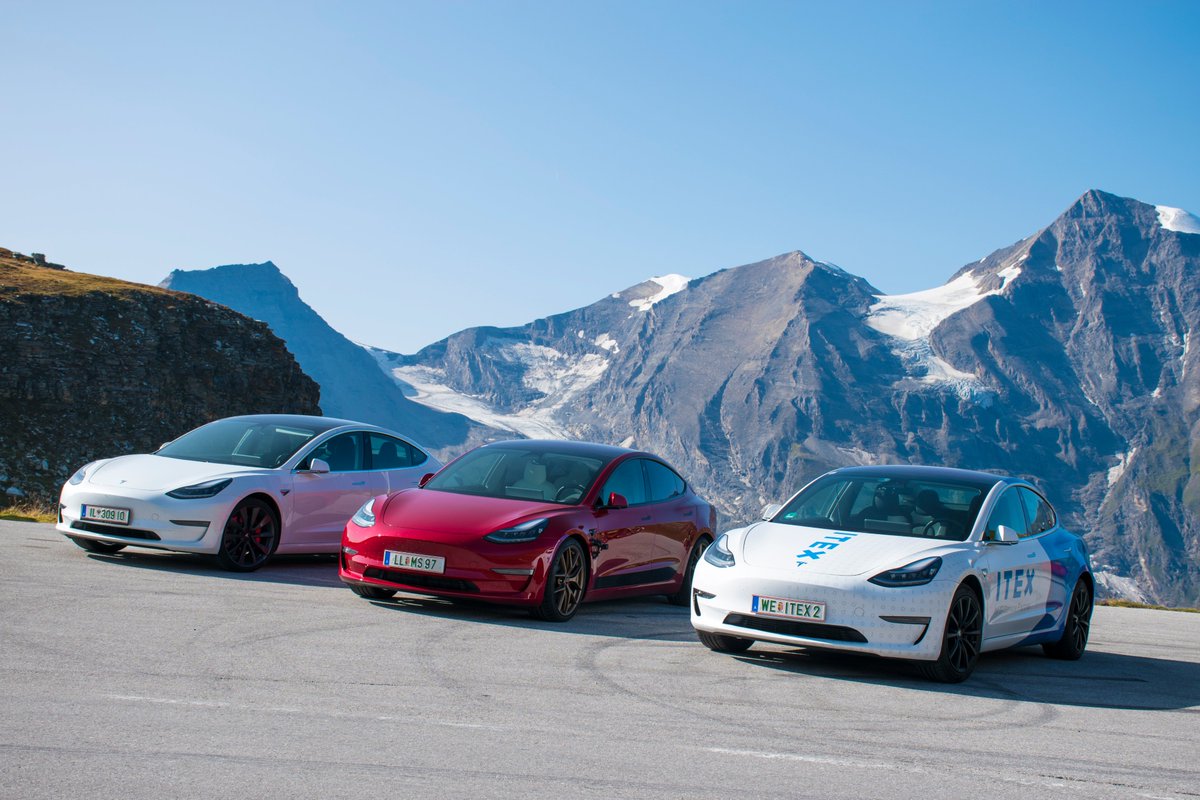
1120,586
1178,220
1115,472
627,442
1009,274
914,316
607,342
668,285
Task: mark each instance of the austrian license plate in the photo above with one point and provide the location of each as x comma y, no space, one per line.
115,516
788,609
414,561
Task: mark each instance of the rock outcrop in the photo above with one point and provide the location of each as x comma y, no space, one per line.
92,367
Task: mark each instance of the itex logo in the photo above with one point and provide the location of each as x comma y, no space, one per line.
1014,583
822,547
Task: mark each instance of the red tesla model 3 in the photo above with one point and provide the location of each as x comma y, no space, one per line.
543,524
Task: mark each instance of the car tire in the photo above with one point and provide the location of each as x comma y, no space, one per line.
684,595
372,592
93,546
566,583
1076,626
721,643
961,639
250,536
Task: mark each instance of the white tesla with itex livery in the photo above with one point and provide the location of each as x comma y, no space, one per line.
930,564
241,488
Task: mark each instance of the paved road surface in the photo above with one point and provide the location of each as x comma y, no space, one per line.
153,675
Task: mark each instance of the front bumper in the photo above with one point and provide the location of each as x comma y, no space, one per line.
156,521
510,574
860,617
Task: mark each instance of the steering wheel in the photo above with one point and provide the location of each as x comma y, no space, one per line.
574,493
929,530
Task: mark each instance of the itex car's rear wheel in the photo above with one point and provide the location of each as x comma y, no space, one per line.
1076,627
722,643
960,640
565,584
93,546
250,537
371,592
684,595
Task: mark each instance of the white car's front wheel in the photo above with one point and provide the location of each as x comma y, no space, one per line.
721,643
961,639
250,537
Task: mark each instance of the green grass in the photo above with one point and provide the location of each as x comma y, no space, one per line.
30,511
19,278
1132,604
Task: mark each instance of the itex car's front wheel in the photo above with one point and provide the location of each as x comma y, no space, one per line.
371,592
566,583
1076,626
684,595
250,537
722,643
960,640
93,546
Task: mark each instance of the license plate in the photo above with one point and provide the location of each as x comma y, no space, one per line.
788,609
414,561
115,516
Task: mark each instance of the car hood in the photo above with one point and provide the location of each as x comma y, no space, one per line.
159,473
431,511
831,552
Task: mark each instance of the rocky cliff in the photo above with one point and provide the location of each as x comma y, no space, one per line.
92,367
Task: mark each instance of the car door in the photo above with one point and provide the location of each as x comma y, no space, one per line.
620,532
1016,575
322,503
399,464
1058,550
673,526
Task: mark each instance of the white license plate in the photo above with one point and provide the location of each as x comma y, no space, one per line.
414,561
115,516
788,609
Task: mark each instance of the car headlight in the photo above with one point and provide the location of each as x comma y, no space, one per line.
81,473
525,532
199,491
365,516
917,573
718,553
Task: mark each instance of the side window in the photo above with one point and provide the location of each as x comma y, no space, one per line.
415,456
343,453
627,480
1038,511
664,483
1008,512
388,452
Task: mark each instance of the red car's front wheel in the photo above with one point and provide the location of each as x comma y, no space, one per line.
565,584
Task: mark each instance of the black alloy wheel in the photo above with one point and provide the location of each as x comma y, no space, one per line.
720,643
371,592
1076,627
566,584
250,537
961,640
684,596
94,546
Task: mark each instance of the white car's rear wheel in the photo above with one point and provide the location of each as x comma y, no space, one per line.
1075,628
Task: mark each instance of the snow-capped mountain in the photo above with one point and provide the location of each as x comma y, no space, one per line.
1065,358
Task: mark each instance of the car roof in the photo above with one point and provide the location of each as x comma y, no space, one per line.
602,451
921,472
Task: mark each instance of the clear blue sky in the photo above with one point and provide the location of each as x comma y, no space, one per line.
417,168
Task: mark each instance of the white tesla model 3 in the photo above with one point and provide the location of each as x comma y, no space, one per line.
924,563
241,488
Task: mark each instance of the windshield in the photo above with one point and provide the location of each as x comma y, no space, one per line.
880,504
520,473
245,442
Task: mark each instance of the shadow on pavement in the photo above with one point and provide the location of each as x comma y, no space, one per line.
303,570
1098,680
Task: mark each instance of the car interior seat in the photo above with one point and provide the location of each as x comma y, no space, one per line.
534,480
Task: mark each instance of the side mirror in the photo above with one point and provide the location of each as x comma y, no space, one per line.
1006,535
770,510
317,466
616,501
425,479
